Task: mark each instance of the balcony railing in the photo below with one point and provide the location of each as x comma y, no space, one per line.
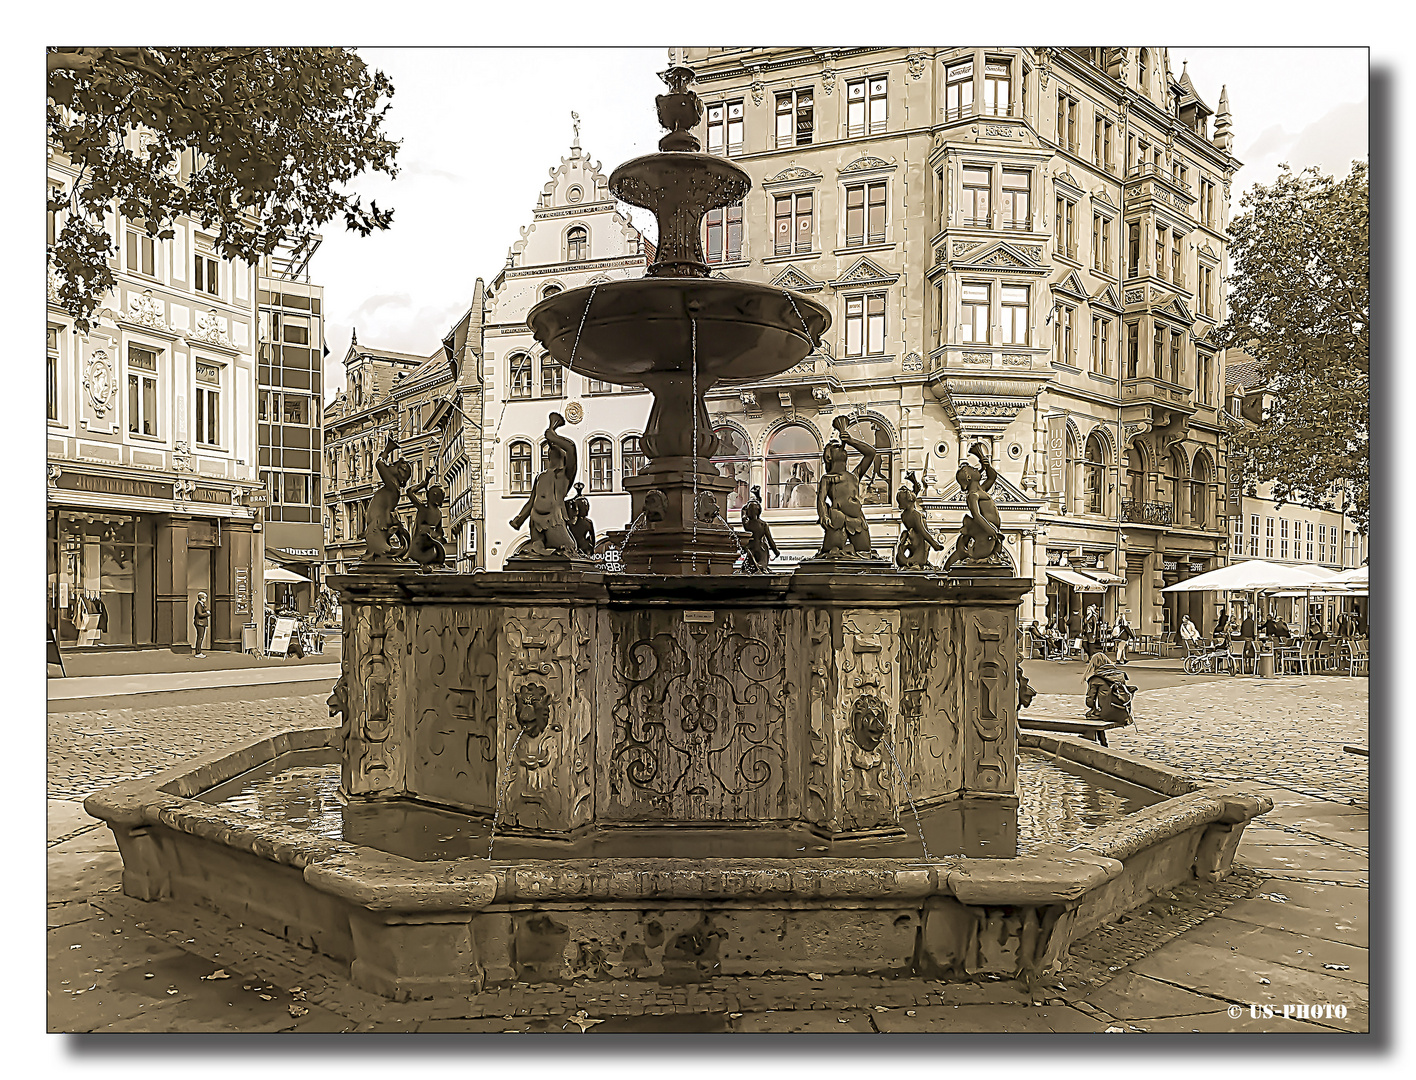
1146,513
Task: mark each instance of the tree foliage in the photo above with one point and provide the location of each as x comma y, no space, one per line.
252,143
1298,304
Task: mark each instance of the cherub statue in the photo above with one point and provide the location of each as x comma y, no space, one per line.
760,545
838,507
916,541
429,546
545,508
385,538
981,532
577,520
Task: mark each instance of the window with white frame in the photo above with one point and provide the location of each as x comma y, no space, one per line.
1064,335
997,88
794,118
865,214
1322,543
974,312
1254,535
958,90
939,335
520,376
206,273
294,408
724,234
1268,538
1101,243
632,457
1101,346
1065,226
598,386
295,329
725,128
142,391
602,464
519,456
1309,543
1204,376
1067,122
208,401
577,244
1017,199
976,184
142,253
1015,314
1206,290
865,325
866,106
552,378
1283,538
792,217
1133,350
51,374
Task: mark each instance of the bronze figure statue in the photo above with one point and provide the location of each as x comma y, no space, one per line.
385,537
429,545
916,541
577,520
981,532
838,507
760,545
545,507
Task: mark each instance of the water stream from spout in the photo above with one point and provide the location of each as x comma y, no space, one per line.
693,352
581,329
890,746
733,532
501,793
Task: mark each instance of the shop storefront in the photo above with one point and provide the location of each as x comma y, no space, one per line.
1202,607
1069,593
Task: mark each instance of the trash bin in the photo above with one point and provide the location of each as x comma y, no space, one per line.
1264,668
250,638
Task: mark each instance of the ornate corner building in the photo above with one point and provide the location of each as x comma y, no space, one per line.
151,443
1021,247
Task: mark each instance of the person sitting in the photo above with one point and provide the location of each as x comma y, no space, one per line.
1221,627
1039,639
1277,628
1108,692
1315,629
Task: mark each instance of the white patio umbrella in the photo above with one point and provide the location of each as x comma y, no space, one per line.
1251,575
275,573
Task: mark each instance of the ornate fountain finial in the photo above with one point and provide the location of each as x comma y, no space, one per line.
679,110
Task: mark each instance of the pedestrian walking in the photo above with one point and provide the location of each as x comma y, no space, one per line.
201,618
1247,633
1122,636
1091,631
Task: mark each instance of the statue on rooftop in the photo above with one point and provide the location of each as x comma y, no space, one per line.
545,507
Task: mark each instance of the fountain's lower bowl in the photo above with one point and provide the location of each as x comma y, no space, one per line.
621,331
438,928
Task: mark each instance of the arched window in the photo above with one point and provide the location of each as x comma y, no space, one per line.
878,490
1177,470
577,244
1200,491
734,458
521,376
1143,69
632,459
1069,476
602,464
793,465
545,455
1094,474
550,291
1134,503
521,468
552,378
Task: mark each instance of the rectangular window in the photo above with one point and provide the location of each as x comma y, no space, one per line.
725,128
1103,151
1160,235
794,118
725,234
1017,199
1101,243
1101,333
597,386
1158,353
552,378
295,488
974,312
1177,362
1177,277
295,329
1015,314
1066,227
1268,538
865,214
865,325
1133,350
1064,337
521,376
632,456
51,375
1207,202
208,402
976,186
997,88
1206,290
1254,535
1204,376
1309,544
958,90
294,409
865,106
1133,249
1283,538
1322,544
939,196
51,216
142,391
939,336
793,221
205,275
1067,135
142,254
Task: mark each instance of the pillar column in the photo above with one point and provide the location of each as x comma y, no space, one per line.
173,626
233,554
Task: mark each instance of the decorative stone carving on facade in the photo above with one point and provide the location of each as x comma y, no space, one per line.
1133,430
822,396
913,362
100,382
828,80
749,402
1208,251
53,473
784,398
181,456
1101,196
182,490
792,172
1015,360
796,280
867,702
1135,296
866,271
1158,294
1044,67
1065,177
758,86
52,283
863,164
146,310
1106,297
977,358
962,247
1008,257
915,62
990,704
210,328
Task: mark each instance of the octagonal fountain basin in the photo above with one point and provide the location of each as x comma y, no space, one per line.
622,331
405,895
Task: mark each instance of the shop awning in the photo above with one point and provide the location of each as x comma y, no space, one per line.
275,573
1104,576
1078,581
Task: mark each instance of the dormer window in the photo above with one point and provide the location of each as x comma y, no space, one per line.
577,244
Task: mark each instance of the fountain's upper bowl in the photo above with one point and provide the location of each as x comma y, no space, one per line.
698,182
645,326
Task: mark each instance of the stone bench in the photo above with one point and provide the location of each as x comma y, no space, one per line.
1089,729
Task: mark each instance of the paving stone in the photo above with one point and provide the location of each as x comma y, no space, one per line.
814,1021
65,816
1345,920
79,875
1281,947
984,1018
1307,857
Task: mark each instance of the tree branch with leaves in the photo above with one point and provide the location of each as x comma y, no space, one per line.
254,144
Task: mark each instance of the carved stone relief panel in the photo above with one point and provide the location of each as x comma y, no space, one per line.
452,756
698,716
374,756
867,718
543,731
821,695
990,701
929,710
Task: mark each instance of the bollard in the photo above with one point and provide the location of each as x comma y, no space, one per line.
1263,669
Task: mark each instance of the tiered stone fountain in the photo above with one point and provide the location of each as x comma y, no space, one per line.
679,772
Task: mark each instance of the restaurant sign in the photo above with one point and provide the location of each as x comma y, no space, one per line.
113,485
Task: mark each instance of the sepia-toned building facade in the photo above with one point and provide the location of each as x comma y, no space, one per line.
1019,247
152,444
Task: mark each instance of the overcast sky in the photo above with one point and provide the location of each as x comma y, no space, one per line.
482,128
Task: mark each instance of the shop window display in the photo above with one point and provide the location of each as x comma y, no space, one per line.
102,583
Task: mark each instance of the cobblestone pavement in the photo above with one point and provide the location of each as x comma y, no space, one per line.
89,750
1289,732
